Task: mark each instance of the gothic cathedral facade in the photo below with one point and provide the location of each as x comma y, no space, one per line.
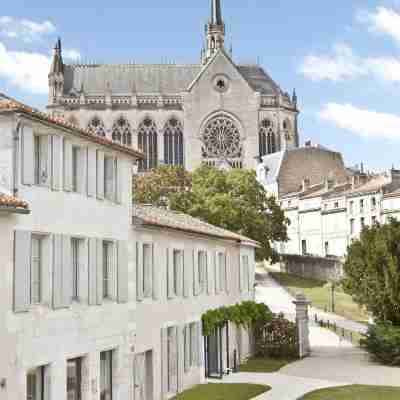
215,112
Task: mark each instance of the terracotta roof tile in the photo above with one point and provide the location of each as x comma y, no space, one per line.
155,216
9,104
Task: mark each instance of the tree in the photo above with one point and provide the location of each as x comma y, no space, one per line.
372,271
232,200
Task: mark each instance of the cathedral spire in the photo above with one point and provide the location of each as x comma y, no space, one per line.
215,31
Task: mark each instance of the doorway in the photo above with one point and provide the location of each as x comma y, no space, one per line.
143,376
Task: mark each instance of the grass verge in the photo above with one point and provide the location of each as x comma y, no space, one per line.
356,392
319,293
265,365
223,391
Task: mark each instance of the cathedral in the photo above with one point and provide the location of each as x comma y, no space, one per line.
215,112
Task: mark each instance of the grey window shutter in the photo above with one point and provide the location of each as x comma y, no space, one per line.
100,175
196,277
170,273
139,271
92,271
67,165
187,268
199,344
180,343
156,275
28,170
164,361
148,271
119,181
58,272
82,175
22,268
123,278
179,278
210,274
91,172
67,271
99,297
57,157
187,347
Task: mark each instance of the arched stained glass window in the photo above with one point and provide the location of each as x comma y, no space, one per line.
96,126
267,138
121,131
147,143
173,142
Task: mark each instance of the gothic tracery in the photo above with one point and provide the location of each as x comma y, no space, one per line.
267,138
147,143
96,126
121,131
173,142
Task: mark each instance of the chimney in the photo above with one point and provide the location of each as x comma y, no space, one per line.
305,184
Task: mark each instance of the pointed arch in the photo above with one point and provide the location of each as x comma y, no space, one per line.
267,138
122,132
96,126
173,142
147,143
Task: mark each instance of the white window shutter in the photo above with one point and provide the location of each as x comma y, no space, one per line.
156,274
196,277
91,172
28,156
210,273
92,271
181,357
82,172
187,347
173,360
22,264
187,268
66,271
100,175
241,274
139,271
57,156
122,272
148,271
67,165
46,159
199,341
57,272
164,360
228,273
99,292
119,180
170,273
179,278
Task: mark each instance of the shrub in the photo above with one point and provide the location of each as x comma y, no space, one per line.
277,338
383,342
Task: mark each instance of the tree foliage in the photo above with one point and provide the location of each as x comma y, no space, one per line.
372,271
232,200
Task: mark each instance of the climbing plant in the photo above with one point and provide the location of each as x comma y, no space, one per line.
248,313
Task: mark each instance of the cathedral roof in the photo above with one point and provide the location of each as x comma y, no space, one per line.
123,79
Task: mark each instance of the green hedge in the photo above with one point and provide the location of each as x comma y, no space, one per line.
383,342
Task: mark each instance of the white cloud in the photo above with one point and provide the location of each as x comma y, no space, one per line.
383,20
71,54
362,122
27,71
24,29
341,65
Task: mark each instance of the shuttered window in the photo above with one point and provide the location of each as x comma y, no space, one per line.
109,182
193,347
147,270
75,168
222,271
108,261
245,276
42,157
202,270
36,270
37,159
75,245
106,373
178,271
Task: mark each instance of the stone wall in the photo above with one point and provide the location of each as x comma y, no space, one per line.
321,268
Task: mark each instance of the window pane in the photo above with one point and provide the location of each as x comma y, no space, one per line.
75,267
109,178
34,384
36,269
37,159
106,375
75,171
74,379
106,269
177,268
146,267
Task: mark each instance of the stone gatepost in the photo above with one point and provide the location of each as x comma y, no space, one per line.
302,321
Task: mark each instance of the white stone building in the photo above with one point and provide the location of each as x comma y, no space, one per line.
214,112
98,299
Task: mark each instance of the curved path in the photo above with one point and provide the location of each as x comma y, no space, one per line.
333,362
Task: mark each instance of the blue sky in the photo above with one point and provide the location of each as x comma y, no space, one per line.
343,57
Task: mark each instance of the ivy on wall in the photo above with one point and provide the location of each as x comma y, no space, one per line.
248,313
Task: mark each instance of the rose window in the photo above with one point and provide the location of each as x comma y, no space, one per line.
221,139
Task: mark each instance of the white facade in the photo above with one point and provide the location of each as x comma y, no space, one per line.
71,313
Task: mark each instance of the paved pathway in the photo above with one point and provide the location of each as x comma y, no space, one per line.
333,362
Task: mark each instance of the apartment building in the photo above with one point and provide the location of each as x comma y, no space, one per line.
101,300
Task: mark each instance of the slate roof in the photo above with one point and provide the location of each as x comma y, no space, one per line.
152,216
8,104
123,79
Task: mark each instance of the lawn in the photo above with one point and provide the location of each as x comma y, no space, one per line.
223,391
356,392
265,365
319,293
